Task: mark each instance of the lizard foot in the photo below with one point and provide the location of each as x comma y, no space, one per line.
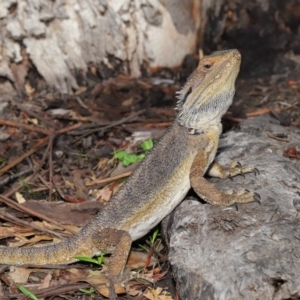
113,285
241,196
122,279
234,169
208,192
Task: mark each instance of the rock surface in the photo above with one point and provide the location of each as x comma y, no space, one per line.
252,252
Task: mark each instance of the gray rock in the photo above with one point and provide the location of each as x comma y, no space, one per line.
252,252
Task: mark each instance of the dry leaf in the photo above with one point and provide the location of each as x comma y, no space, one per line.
66,213
20,198
137,260
74,275
157,294
68,184
116,186
29,90
103,164
80,90
19,275
133,292
101,283
10,231
105,194
33,121
46,282
29,242
127,102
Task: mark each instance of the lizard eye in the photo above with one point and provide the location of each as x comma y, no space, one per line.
207,66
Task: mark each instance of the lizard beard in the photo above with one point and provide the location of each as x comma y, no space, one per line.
211,111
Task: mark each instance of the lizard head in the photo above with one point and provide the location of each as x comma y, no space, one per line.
209,90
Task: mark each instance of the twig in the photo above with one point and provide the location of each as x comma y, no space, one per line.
31,113
53,291
20,158
63,130
28,211
18,186
9,217
84,133
24,126
69,128
13,176
258,112
108,179
50,163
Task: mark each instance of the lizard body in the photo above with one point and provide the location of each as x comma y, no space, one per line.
160,182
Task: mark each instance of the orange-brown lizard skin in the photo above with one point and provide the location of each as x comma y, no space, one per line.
160,182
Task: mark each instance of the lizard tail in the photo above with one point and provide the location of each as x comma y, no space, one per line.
49,255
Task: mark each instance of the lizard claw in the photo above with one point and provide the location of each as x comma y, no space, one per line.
257,198
241,196
236,206
255,171
238,164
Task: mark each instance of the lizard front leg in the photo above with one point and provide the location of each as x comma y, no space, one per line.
208,192
234,169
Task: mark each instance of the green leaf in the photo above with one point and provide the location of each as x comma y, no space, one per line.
100,258
130,159
143,247
90,291
141,156
27,292
120,154
79,154
153,237
87,259
147,145
24,183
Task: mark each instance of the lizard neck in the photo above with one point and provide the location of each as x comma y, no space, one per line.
214,128
196,118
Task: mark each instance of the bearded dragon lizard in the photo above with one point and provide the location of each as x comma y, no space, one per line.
178,162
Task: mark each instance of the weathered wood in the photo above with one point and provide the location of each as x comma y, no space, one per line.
68,42
252,252
64,40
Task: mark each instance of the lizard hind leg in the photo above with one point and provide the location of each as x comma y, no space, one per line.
117,242
234,169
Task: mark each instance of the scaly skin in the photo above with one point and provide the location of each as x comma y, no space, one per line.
160,182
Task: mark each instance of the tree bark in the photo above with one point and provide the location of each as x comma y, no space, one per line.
64,40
